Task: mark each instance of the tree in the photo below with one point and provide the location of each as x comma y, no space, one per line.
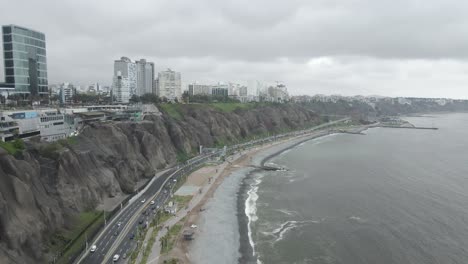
135,99
85,98
150,98
186,97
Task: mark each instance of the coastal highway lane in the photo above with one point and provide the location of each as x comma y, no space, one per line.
127,244
108,237
124,244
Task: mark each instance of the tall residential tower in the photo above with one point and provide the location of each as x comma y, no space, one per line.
145,77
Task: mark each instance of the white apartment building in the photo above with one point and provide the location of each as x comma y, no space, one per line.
169,85
145,77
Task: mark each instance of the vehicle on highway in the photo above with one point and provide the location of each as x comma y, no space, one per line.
165,191
124,256
93,248
119,224
143,201
116,257
152,202
141,221
174,180
116,233
132,236
144,212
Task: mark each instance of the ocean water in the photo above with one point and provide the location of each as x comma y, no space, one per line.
392,196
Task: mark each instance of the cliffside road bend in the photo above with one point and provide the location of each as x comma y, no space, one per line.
117,236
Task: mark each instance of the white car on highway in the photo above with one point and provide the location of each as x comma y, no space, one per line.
152,202
143,201
116,257
93,248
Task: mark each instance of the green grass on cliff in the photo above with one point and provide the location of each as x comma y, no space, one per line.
13,147
230,107
70,242
173,110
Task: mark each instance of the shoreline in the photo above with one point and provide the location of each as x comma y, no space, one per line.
256,156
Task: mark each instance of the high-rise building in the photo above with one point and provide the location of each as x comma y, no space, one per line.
67,91
145,77
220,91
128,71
24,53
169,85
121,88
199,89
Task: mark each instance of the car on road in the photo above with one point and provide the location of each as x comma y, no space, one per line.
143,201
174,180
93,248
152,202
119,224
116,233
165,191
132,236
116,257
124,256
141,221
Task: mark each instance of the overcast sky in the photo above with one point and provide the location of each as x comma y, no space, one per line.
349,47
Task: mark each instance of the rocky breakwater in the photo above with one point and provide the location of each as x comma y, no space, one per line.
45,186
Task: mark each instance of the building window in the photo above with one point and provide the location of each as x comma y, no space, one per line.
6,30
7,46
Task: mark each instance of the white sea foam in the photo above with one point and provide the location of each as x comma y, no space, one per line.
357,219
289,225
287,212
251,208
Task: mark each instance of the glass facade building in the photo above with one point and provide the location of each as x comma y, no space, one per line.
24,53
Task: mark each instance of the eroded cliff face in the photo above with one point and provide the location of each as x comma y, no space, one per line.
39,194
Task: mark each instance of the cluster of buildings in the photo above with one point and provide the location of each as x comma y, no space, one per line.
25,61
138,78
254,91
370,100
51,124
26,75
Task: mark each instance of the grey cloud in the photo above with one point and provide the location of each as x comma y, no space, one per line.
366,42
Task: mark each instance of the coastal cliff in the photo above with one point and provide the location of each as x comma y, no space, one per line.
45,186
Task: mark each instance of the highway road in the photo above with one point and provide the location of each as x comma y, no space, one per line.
125,222
109,234
115,238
